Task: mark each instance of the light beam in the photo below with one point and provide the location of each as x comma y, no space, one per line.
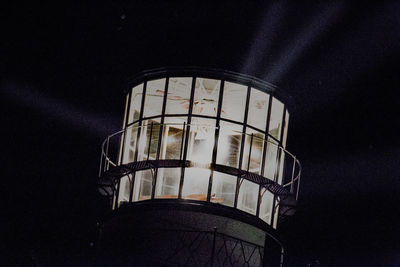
52,107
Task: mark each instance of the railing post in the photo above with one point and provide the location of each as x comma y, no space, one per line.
101,160
293,169
122,147
298,186
107,161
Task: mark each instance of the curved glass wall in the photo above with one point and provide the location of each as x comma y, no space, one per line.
221,127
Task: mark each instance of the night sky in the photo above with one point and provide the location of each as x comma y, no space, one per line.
63,71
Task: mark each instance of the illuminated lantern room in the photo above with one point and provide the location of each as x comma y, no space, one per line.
208,138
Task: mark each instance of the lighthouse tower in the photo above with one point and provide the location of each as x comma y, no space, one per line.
199,174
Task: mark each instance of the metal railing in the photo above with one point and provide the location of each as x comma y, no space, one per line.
286,167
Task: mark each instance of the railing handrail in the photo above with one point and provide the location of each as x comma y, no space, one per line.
108,160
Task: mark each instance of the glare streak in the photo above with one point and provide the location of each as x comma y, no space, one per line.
303,41
265,37
65,112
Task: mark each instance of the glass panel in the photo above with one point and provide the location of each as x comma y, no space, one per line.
149,139
234,101
154,98
114,200
248,197
206,96
195,185
136,103
270,159
256,151
122,139
178,96
172,138
266,206
275,123
167,185
285,129
126,108
201,140
258,109
130,144
281,164
230,137
223,189
276,215
143,185
124,189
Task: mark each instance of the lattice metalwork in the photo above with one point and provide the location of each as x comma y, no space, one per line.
199,248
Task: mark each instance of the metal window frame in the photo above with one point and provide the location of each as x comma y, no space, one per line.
226,77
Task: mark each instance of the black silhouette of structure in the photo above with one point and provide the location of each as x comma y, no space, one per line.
199,174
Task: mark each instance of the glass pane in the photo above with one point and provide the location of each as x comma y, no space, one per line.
130,144
195,185
276,215
201,140
285,129
124,189
230,137
154,98
275,123
114,201
149,136
126,109
136,103
122,139
172,145
234,101
281,164
143,185
253,145
206,96
248,197
167,185
270,159
258,109
178,96
266,206
223,189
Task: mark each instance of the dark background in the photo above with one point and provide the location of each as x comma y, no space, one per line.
64,67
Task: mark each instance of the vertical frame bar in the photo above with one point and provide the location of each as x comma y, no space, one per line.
266,134
216,137
246,112
276,174
127,110
278,165
151,134
265,147
160,134
182,140
189,120
138,138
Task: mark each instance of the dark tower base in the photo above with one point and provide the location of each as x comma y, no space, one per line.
185,233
